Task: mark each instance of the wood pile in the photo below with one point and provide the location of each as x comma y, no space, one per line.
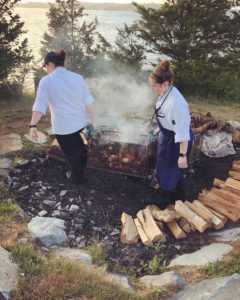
212,210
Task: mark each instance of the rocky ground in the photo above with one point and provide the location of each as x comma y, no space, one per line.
92,211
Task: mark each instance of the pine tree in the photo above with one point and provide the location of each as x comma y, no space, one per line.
200,37
67,29
15,55
128,52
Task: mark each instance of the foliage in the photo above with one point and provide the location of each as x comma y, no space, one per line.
15,56
129,52
8,210
97,253
68,29
155,266
202,47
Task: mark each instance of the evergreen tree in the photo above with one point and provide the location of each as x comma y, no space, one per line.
129,52
68,30
200,37
14,51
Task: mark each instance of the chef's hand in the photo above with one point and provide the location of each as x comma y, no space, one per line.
34,134
182,162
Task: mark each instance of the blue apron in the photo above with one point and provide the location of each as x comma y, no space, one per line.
168,172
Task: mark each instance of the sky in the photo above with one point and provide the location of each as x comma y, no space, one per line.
102,1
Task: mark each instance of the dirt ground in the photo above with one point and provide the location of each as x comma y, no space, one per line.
102,200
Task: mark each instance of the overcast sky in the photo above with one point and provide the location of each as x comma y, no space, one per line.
102,1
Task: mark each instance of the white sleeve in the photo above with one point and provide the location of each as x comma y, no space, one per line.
87,97
42,97
180,119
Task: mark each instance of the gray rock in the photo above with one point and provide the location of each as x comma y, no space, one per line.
82,244
5,163
63,193
22,241
74,254
74,208
22,163
168,278
49,231
42,138
225,288
206,254
24,188
56,213
8,274
50,203
121,280
42,213
227,235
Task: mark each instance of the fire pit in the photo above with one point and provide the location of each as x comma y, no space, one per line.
123,152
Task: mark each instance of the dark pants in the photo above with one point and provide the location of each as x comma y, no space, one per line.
75,152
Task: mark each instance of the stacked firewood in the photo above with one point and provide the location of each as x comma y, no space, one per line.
212,210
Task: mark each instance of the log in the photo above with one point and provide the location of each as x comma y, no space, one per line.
217,214
185,225
145,240
236,165
218,199
188,214
217,222
176,230
227,195
232,183
235,175
129,233
151,229
200,212
219,205
219,183
165,215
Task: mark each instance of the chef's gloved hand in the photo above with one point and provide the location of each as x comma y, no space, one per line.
91,132
152,135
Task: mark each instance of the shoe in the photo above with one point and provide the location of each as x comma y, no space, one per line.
69,174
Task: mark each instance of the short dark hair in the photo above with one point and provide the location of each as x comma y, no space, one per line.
57,58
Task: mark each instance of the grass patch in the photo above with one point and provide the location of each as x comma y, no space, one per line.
155,266
226,267
49,279
8,210
98,255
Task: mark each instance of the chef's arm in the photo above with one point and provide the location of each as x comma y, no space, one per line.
92,115
183,147
36,116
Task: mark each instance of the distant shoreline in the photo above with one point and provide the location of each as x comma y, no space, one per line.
92,6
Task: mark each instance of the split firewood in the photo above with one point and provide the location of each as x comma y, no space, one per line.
165,215
217,222
235,175
188,214
218,197
145,240
219,183
200,212
236,165
217,214
232,183
129,233
185,225
228,196
151,229
220,205
176,230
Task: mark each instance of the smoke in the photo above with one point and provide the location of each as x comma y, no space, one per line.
123,102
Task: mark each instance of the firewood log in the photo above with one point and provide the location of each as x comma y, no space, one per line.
185,225
176,230
223,218
236,165
144,238
235,175
232,183
129,233
188,214
200,212
165,215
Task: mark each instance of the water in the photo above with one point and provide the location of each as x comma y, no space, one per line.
36,21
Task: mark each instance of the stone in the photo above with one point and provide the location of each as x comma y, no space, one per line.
23,241
8,274
50,203
22,163
42,138
227,235
42,213
24,188
121,280
49,231
225,288
10,142
205,255
169,278
63,193
74,254
5,163
56,213
74,208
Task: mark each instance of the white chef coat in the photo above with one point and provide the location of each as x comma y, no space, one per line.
176,116
67,95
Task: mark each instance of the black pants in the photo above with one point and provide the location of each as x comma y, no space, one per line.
75,152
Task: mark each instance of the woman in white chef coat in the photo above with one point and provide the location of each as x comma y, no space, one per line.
173,118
